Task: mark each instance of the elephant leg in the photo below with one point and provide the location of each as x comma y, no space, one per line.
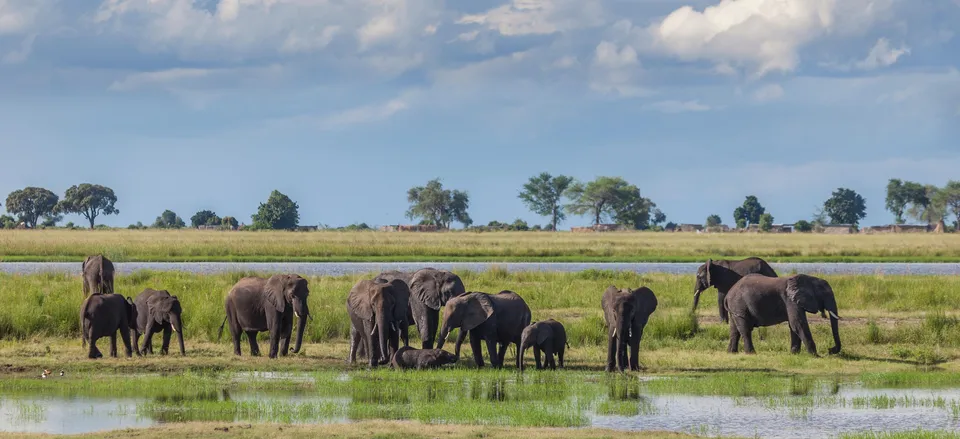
721,306
286,332
635,347
560,356
428,333
548,356
125,337
622,354
536,356
747,334
611,352
495,360
165,347
477,346
794,342
275,340
354,345
808,339
734,338
502,353
252,340
93,352
235,334
113,345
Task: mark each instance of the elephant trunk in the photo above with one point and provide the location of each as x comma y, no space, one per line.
831,306
444,332
524,344
696,298
302,314
177,324
383,325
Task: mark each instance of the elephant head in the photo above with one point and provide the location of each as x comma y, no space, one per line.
166,309
435,287
814,295
703,281
132,315
465,312
533,335
284,290
624,307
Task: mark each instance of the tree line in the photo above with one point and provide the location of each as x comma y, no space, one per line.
605,200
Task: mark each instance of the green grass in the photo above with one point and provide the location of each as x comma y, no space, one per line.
331,246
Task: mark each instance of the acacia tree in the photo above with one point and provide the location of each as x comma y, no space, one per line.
845,206
32,203
169,220
925,205
542,195
749,213
434,205
88,200
613,198
949,198
205,218
279,212
901,194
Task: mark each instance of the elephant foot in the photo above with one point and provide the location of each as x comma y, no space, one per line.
834,350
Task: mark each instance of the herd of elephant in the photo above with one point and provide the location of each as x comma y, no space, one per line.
381,310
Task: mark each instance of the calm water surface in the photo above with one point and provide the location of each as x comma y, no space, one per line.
341,268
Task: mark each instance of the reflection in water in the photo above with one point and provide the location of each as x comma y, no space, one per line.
785,408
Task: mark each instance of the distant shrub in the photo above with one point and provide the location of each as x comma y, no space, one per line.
803,226
766,222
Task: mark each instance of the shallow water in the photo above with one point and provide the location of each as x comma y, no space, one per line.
341,268
554,399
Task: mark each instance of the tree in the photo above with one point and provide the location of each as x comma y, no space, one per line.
7,222
750,212
766,222
519,225
31,203
845,207
741,222
926,205
713,220
612,198
819,217
896,199
634,210
949,198
434,205
168,220
542,195
229,222
90,201
279,212
205,218
657,217
803,226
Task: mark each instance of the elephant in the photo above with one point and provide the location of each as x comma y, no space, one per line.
158,310
724,274
378,309
410,358
758,300
626,313
429,290
547,336
255,304
97,275
494,318
102,315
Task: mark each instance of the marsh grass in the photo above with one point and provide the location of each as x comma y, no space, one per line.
195,245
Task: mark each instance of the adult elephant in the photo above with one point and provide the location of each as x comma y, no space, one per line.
158,311
626,313
103,315
493,318
256,304
430,289
759,300
724,274
97,275
378,309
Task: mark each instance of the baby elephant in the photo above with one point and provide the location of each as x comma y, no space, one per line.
547,336
410,358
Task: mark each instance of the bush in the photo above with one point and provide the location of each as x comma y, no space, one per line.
803,226
766,222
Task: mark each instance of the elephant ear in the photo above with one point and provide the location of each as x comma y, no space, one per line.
544,334
802,290
358,299
426,288
479,309
160,307
274,292
709,268
402,294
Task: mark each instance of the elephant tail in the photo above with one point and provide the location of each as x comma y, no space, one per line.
220,334
83,317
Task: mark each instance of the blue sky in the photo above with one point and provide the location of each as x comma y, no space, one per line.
345,104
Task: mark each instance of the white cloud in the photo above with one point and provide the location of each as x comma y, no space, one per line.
162,77
673,106
309,40
565,62
761,35
363,115
882,55
532,17
19,16
769,92
616,70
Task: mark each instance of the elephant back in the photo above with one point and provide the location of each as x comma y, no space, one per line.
513,313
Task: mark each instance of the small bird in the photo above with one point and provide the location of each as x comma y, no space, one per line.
45,373
61,372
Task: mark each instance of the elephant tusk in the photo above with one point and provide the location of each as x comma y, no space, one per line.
614,332
393,326
834,315
296,314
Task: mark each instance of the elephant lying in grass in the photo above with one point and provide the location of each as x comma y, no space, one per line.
410,358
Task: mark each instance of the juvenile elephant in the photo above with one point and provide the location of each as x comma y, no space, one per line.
759,300
493,318
547,336
157,310
724,274
256,304
410,358
378,309
97,275
430,289
626,313
102,315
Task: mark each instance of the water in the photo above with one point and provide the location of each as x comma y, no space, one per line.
342,268
563,399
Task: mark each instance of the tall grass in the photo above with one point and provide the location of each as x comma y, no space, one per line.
195,245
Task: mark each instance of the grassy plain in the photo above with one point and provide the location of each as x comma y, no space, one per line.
333,246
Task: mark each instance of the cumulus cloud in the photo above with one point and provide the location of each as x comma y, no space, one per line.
532,17
882,55
615,70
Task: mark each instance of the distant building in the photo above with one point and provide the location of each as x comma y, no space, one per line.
898,228
837,229
409,228
598,228
689,228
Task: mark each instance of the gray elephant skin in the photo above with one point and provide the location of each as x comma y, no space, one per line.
547,336
378,309
759,300
410,358
626,313
158,311
255,305
724,274
491,318
430,289
103,315
97,275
